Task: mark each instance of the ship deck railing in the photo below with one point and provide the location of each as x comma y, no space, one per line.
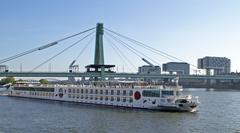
179,88
91,86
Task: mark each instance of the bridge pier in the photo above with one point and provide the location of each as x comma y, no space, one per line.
210,82
99,66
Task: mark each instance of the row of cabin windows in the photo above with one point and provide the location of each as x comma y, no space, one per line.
151,93
156,93
34,89
91,91
41,93
100,98
167,93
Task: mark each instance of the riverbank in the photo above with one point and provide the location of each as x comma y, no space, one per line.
217,86
202,83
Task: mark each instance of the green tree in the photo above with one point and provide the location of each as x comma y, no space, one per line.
43,81
20,80
7,80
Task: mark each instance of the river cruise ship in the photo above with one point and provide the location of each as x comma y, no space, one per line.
118,94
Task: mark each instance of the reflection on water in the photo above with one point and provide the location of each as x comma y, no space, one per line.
218,112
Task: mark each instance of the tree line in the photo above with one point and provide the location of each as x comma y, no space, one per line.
12,80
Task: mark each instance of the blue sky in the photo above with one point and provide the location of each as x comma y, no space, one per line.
187,29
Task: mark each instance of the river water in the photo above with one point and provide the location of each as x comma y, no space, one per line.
219,112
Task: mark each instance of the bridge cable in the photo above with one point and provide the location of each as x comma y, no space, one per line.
141,44
135,51
84,48
119,53
81,52
149,47
42,47
61,52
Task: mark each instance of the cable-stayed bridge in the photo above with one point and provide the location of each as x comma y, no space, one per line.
99,70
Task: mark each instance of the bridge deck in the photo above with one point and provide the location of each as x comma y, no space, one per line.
120,75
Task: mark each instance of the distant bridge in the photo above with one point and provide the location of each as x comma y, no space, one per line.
116,75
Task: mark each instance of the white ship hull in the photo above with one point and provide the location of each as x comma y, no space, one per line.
134,97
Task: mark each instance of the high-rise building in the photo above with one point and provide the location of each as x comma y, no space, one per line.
220,65
178,67
3,68
148,69
151,70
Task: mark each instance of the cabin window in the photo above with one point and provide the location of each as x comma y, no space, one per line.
106,92
86,91
60,90
130,93
124,92
112,92
91,97
106,98
96,91
82,91
77,90
151,93
91,91
81,96
124,99
118,99
131,100
101,98
112,98
118,92
101,91
167,93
